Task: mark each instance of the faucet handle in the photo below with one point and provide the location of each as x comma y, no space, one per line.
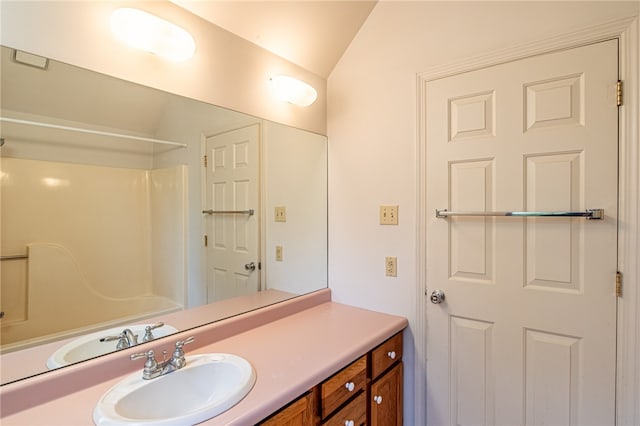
177,359
148,335
151,360
121,338
151,368
181,343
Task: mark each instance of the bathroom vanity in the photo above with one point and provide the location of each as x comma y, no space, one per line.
367,391
312,357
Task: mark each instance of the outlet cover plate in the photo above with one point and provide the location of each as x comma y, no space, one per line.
391,266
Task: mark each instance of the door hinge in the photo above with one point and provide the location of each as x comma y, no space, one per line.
206,241
618,284
206,160
619,93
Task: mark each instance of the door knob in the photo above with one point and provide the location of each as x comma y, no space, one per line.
437,296
250,266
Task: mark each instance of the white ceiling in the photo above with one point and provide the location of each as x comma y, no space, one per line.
312,34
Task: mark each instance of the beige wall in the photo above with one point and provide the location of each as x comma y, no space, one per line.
226,70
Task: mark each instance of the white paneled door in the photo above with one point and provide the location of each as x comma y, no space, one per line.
232,185
526,333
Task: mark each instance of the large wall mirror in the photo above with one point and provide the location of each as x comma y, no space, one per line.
124,207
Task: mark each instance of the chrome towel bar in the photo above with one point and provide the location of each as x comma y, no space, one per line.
247,212
589,214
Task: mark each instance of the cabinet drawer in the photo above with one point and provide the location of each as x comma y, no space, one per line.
343,385
355,411
386,355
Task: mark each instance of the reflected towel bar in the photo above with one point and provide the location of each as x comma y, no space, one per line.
248,212
592,214
15,257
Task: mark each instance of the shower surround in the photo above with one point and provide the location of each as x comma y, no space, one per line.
104,244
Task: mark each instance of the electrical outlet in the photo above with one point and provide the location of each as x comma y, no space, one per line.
279,253
388,215
391,266
281,214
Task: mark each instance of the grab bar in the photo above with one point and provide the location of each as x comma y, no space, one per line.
592,214
15,257
247,212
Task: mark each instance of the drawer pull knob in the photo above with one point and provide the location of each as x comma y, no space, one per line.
392,354
377,399
349,423
350,386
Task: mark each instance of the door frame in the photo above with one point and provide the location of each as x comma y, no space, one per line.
628,306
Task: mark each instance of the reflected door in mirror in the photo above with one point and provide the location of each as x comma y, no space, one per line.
232,189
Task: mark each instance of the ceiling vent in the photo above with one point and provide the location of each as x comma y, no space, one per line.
30,59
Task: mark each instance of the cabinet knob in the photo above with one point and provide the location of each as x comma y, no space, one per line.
392,354
349,423
377,399
350,386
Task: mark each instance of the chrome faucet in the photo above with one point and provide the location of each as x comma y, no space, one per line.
153,368
126,339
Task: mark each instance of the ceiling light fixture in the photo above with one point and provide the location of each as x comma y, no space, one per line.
147,32
292,90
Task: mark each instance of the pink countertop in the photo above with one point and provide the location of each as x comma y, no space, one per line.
31,361
299,345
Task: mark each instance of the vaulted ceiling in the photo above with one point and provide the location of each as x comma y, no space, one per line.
312,34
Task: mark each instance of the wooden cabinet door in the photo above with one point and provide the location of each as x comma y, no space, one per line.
386,399
301,412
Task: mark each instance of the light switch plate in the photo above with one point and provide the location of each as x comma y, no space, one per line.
279,253
281,214
388,215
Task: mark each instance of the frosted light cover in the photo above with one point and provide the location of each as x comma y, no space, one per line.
292,90
152,34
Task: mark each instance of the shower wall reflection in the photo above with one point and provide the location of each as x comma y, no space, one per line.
97,240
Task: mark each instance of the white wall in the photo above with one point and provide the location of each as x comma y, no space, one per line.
371,122
295,177
226,70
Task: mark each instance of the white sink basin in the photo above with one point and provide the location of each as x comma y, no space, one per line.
90,346
207,386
